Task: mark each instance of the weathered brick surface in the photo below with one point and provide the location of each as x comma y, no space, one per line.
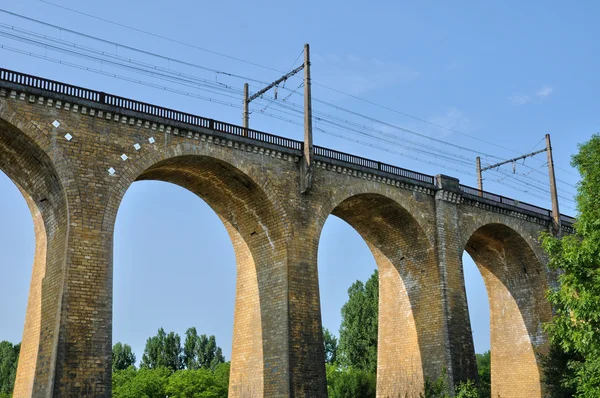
508,255
416,232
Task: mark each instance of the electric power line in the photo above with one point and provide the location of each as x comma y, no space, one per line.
197,82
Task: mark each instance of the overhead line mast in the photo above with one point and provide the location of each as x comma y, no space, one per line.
306,164
556,221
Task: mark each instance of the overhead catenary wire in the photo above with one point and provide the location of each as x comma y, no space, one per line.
113,43
160,36
235,105
153,73
372,120
240,77
277,70
172,76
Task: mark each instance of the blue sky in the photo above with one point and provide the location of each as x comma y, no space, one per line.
498,76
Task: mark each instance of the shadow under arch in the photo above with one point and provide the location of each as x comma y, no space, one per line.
254,228
516,284
28,166
410,336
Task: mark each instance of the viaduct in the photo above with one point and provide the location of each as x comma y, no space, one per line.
74,152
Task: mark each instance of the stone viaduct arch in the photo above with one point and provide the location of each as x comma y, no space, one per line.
254,226
512,266
26,162
394,225
74,152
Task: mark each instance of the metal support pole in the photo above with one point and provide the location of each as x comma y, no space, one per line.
479,177
245,115
249,98
306,167
556,227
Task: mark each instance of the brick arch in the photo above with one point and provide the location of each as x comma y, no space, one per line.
409,336
254,226
29,167
516,283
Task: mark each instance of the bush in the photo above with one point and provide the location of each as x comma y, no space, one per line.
350,382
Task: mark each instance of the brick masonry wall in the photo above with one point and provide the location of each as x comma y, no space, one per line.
416,233
31,336
511,261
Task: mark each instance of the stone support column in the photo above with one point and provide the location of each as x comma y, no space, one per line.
459,339
305,335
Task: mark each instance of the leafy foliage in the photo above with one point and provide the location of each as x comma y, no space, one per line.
576,325
162,371
199,383
331,346
143,383
468,389
558,376
9,358
162,382
484,369
358,331
122,356
163,350
201,351
437,388
349,382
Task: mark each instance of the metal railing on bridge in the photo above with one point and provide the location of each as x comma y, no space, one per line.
373,164
145,108
227,128
476,194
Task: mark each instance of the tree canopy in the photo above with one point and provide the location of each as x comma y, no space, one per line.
201,351
163,350
122,356
358,331
9,358
331,346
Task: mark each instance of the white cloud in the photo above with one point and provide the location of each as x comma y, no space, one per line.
544,92
356,75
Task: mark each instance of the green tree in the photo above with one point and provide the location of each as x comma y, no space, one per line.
558,376
349,382
122,356
484,370
9,358
190,349
330,342
163,350
121,378
575,327
358,331
143,383
201,351
222,371
199,383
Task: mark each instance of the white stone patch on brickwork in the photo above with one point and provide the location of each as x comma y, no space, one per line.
56,124
68,136
111,171
151,140
124,157
137,146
